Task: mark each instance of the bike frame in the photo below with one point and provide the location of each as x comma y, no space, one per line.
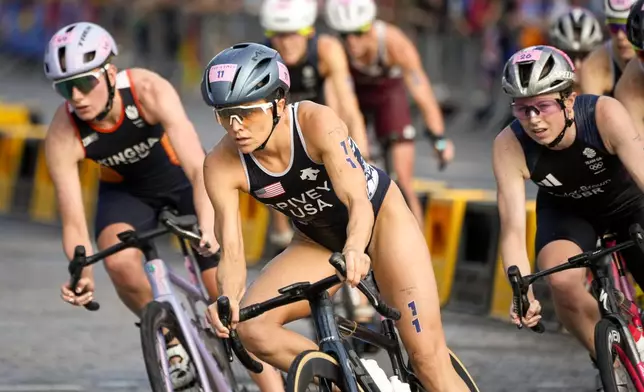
388,341
161,279
328,332
602,288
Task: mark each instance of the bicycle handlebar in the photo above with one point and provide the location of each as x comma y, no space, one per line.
289,294
521,284
366,287
181,226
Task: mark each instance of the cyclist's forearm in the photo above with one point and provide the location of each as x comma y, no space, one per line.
433,116
361,220
231,276
73,237
203,207
423,95
514,252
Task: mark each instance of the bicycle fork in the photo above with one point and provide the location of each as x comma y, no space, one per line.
330,342
162,292
609,308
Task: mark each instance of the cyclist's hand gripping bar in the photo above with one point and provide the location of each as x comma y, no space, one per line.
366,287
75,269
520,297
225,315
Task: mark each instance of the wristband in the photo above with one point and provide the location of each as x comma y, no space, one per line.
432,136
440,143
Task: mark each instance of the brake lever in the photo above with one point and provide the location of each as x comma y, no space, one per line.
233,344
225,314
75,269
513,277
520,299
365,285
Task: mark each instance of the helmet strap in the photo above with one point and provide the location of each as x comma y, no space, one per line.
110,99
567,124
276,120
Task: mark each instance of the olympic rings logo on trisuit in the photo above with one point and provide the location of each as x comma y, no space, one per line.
596,166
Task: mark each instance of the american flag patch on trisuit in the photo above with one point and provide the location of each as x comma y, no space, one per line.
272,190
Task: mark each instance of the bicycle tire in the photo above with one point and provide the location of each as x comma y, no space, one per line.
605,333
157,315
234,372
311,364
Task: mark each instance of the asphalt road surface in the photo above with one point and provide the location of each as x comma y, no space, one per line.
47,345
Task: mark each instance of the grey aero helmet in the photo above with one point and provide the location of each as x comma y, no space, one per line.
243,73
537,70
576,30
77,48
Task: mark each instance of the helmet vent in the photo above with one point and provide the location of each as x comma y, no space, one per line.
232,83
263,82
525,70
560,25
261,66
61,59
550,63
556,83
89,56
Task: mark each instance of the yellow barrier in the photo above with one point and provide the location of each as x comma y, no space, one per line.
11,151
422,185
11,114
42,203
43,206
501,291
443,222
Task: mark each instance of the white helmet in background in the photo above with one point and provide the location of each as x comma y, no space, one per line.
576,30
77,48
617,9
349,15
288,15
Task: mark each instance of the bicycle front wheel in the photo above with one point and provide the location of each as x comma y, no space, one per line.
155,317
314,371
615,369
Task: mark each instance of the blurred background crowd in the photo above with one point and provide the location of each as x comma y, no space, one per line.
463,43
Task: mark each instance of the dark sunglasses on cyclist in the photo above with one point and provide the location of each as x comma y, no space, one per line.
85,83
616,25
240,113
545,107
359,32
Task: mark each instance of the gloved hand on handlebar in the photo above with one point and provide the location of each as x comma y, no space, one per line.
531,318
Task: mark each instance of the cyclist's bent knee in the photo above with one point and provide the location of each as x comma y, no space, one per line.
256,334
566,286
125,268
